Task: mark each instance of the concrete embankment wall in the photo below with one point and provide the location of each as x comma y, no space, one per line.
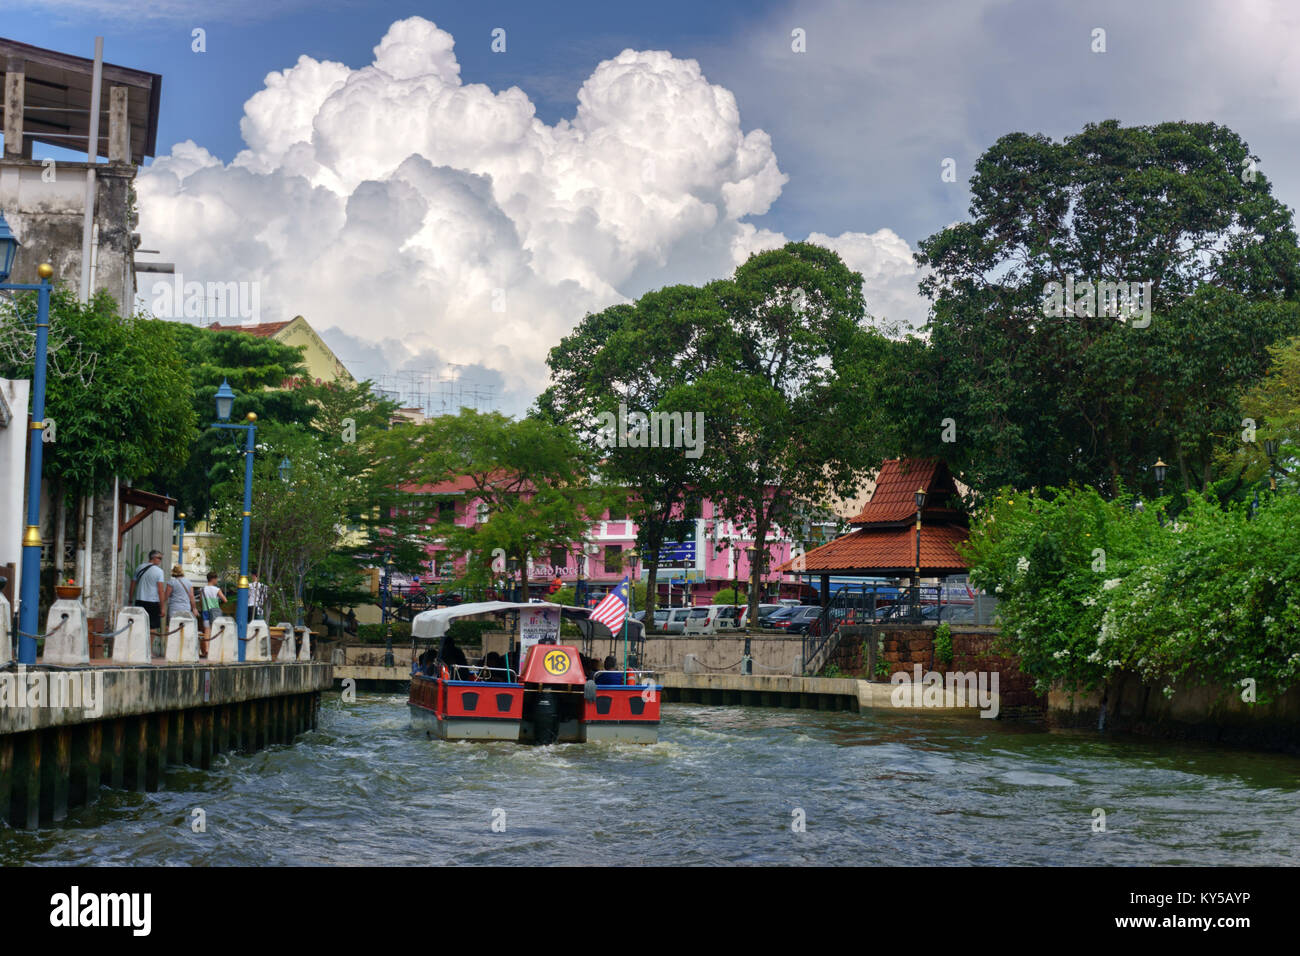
127,724
1195,711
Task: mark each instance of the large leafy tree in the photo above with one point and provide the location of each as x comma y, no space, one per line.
532,478
297,516
640,359
117,392
790,391
257,368
1038,400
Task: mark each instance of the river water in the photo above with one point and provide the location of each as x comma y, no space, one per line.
723,786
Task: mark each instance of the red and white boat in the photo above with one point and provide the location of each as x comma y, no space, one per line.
550,699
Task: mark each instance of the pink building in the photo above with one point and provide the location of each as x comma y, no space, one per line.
692,571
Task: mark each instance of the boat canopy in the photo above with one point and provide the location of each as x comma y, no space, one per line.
434,623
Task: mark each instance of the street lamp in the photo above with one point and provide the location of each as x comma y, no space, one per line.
225,400
1161,468
29,599
180,542
916,578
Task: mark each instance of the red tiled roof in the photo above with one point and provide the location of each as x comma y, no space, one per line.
262,329
877,550
455,486
894,498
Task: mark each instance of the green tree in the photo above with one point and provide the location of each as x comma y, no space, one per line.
631,360
531,477
118,398
257,368
1037,400
789,392
297,519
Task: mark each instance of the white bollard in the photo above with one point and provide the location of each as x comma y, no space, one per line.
182,638
258,645
224,641
691,664
289,646
66,636
132,645
6,643
304,644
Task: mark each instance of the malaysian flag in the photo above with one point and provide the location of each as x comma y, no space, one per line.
613,609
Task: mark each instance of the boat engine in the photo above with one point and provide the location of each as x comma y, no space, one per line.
546,719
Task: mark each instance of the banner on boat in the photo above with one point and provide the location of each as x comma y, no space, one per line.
534,625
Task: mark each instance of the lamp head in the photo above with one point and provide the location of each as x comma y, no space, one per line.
1161,468
1270,448
920,500
225,401
8,248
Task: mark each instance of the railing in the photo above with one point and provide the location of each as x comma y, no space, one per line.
875,604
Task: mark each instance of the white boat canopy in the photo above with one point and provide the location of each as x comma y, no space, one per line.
434,623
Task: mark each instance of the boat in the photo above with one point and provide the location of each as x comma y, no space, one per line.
552,696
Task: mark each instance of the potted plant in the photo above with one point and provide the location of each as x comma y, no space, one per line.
68,591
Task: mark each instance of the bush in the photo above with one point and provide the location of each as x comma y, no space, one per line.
729,596
377,633
943,644
1089,587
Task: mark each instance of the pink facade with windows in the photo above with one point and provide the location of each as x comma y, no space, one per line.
710,559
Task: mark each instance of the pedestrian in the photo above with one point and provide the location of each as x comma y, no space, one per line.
151,589
257,592
213,598
180,595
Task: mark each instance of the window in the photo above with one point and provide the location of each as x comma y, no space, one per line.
692,509
559,558
446,512
618,512
613,558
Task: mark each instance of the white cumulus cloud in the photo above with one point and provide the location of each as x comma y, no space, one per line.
396,203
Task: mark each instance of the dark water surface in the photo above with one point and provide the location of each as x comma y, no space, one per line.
722,786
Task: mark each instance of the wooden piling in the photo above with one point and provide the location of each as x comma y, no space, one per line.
155,750
56,771
115,753
6,776
223,729
94,760
206,723
26,807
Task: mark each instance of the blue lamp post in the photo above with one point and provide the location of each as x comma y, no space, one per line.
29,598
180,541
225,401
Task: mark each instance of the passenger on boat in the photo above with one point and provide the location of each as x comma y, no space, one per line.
610,673
452,656
494,668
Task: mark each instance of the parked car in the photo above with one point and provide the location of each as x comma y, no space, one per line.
954,613
700,620
798,622
731,618
765,609
780,614
673,620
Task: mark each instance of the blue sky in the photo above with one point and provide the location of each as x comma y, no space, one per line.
841,144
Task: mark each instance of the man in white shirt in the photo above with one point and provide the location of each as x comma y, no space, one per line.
151,589
256,598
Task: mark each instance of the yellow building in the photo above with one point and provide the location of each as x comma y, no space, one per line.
322,364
